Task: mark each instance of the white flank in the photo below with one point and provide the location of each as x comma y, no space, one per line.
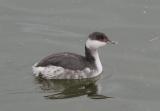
55,72
47,72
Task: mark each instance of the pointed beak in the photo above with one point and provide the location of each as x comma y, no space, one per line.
112,42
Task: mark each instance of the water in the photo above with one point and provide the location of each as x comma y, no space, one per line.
32,29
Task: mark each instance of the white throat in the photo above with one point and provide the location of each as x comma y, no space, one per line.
93,45
97,61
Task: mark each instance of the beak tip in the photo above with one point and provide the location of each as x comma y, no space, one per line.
114,42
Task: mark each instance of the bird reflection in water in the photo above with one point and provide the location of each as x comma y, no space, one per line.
62,89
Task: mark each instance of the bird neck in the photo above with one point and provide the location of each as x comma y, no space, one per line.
93,56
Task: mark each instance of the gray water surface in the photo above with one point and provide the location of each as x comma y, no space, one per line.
33,29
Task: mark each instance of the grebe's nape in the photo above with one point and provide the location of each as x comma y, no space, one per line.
68,65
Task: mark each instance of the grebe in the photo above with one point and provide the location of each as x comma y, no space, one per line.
68,65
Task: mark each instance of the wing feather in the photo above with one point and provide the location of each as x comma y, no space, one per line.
65,60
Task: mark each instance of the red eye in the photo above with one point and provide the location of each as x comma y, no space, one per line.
101,38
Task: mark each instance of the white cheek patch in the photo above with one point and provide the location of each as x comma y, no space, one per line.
94,44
